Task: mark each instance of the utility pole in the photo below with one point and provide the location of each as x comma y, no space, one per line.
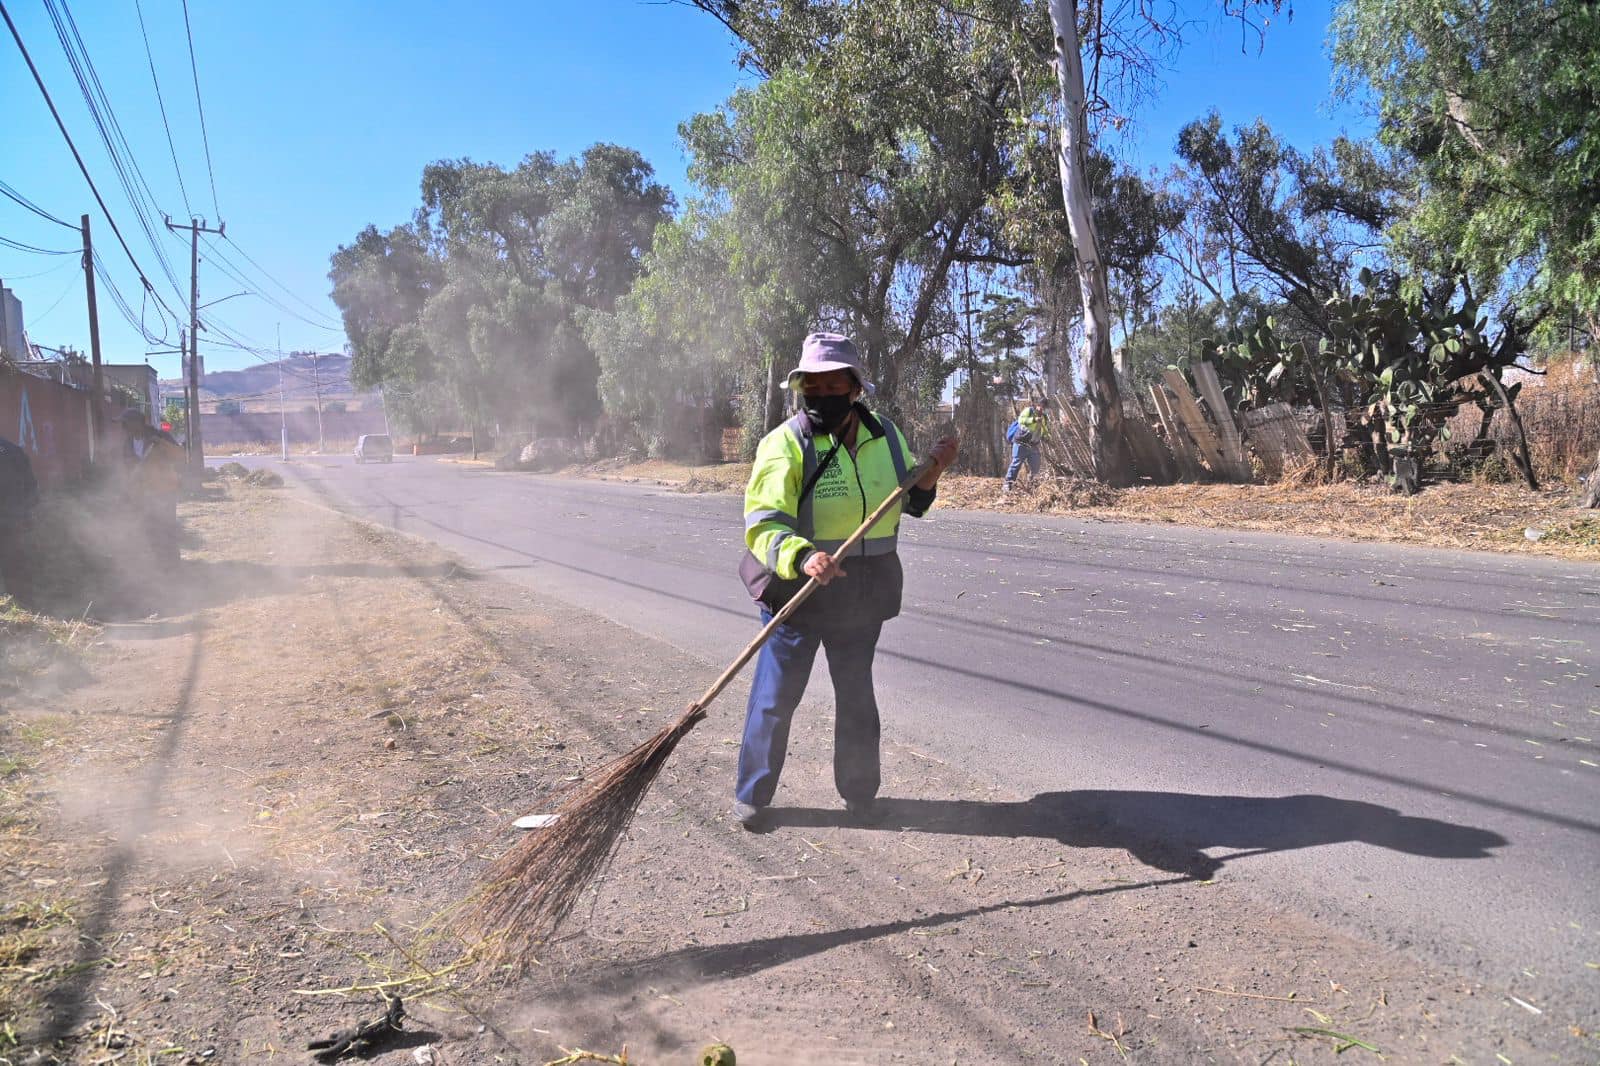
316,379
283,417
97,409
197,450
188,389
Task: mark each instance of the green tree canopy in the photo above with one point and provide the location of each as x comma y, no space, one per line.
480,294
1498,101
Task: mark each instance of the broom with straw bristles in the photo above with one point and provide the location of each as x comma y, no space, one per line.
533,886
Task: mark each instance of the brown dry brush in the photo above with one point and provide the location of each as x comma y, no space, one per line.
535,884
1560,414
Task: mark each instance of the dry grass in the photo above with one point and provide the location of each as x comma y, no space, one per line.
1561,415
33,645
685,477
1470,515
1481,514
336,446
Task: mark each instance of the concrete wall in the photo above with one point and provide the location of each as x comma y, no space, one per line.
264,427
51,423
11,339
140,377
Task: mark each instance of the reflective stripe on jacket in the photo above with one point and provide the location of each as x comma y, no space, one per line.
780,530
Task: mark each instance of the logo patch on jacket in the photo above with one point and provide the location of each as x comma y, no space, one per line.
832,485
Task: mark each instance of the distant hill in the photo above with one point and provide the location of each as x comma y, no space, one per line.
300,375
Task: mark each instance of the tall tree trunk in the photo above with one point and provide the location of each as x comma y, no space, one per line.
1112,463
775,413
1328,444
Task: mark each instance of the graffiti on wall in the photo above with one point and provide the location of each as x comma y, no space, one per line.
51,423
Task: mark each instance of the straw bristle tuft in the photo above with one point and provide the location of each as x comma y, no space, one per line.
533,886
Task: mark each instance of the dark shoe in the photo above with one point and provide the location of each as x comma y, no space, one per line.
749,815
862,810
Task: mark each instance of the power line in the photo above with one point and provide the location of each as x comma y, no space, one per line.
21,247
39,274
11,194
42,315
129,173
171,147
264,273
123,307
39,81
232,340
204,138
233,271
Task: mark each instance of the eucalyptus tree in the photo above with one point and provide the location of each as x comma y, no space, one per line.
931,68
699,325
480,293
872,152
381,282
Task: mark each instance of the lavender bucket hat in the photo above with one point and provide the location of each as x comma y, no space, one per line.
822,352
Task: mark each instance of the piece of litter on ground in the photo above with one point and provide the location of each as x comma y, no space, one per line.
1525,1005
536,821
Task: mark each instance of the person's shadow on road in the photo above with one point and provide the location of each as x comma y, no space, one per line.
1168,830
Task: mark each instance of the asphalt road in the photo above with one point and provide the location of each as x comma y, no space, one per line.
1398,741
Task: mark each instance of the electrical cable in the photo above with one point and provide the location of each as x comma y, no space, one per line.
134,185
205,139
11,194
39,274
39,81
171,147
21,247
232,340
35,319
235,273
263,271
124,308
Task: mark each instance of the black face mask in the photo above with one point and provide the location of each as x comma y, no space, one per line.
827,413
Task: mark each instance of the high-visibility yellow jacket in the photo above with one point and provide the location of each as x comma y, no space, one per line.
1032,420
781,530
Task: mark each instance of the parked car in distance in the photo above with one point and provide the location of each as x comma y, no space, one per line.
374,448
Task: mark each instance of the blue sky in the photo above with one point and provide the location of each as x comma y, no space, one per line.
321,116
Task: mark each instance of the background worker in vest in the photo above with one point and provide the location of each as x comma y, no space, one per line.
155,478
1025,435
859,459
18,494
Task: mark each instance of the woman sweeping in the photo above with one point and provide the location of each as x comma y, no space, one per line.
815,479
822,563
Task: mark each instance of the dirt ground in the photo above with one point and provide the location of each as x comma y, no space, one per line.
1478,516
248,810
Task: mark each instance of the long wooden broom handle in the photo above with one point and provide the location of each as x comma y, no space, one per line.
809,587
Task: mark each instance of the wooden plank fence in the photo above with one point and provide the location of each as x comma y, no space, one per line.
1236,465
1072,452
1184,452
1194,423
1278,438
